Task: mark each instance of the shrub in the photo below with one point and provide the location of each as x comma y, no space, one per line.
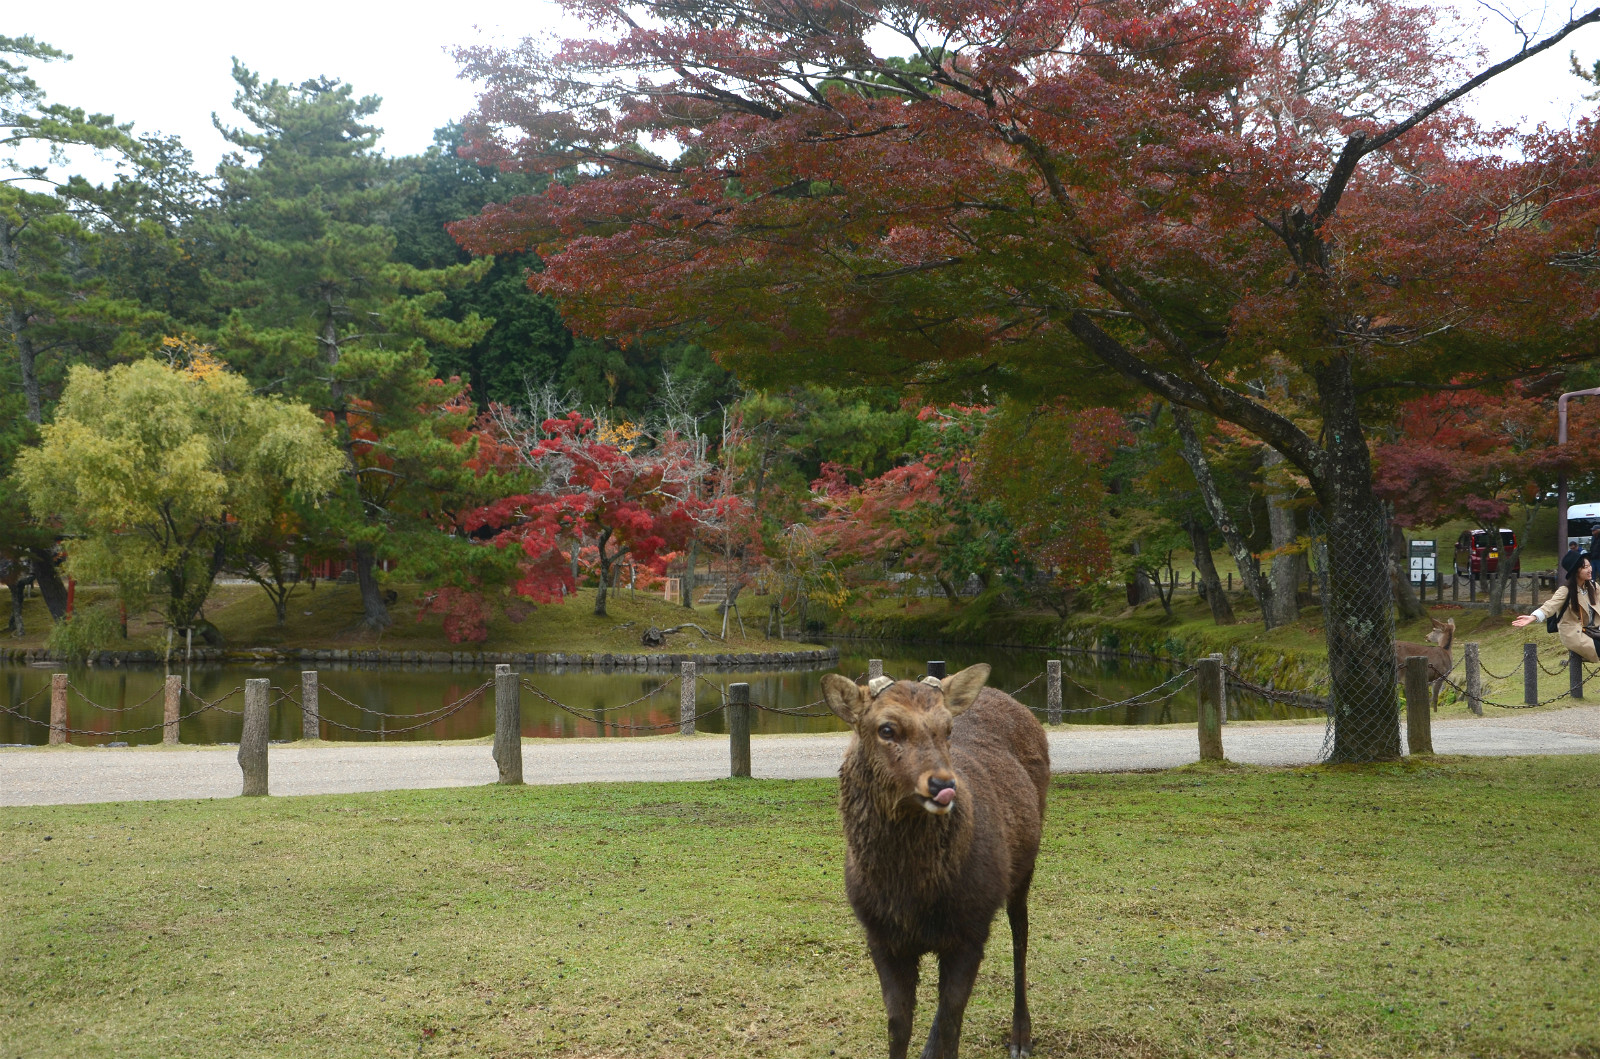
89,629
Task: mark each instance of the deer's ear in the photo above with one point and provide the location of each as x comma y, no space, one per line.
961,689
844,696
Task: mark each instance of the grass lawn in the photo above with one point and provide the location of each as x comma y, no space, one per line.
328,618
1445,908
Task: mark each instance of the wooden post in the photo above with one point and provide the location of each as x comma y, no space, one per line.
169,712
310,705
58,708
508,726
1514,580
1419,724
1455,588
253,738
1191,580
1052,690
1530,673
1575,675
1472,588
1474,681
874,668
686,700
739,730
1209,682
1230,580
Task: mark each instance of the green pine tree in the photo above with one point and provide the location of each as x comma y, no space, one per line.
321,308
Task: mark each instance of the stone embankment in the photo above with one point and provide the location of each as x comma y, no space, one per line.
480,659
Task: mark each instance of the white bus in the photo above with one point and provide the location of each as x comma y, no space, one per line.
1581,521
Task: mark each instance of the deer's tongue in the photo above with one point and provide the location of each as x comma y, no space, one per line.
946,796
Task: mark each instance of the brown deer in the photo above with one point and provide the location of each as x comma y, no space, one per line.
942,792
1436,651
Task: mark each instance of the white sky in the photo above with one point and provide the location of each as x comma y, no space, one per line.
165,65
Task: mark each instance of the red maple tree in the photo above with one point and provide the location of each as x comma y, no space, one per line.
629,500
1065,197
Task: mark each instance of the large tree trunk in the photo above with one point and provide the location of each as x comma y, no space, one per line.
374,611
18,589
1249,567
1221,609
687,592
605,575
1405,598
33,404
42,562
1285,572
1366,718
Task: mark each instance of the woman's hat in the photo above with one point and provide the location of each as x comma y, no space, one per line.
1571,561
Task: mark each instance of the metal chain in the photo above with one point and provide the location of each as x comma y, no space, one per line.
1492,675
114,709
120,731
1561,667
1301,699
30,698
213,704
582,715
1507,705
451,707
1026,686
457,706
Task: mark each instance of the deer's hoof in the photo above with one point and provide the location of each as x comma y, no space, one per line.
1020,1051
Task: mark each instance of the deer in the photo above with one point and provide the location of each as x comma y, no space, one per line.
942,794
1436,651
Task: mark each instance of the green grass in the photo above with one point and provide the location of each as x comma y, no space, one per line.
329,618
1445,908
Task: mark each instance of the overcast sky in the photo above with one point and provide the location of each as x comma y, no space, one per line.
165,65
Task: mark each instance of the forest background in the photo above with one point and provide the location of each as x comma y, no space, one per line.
459,440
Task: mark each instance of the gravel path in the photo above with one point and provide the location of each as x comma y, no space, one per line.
53,776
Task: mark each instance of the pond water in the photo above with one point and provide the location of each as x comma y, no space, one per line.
129,697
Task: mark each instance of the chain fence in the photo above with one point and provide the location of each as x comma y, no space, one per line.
1350,557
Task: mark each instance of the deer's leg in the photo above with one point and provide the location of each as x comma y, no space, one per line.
897,977
1021,1022
958,969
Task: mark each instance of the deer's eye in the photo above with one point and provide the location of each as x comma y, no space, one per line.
886,730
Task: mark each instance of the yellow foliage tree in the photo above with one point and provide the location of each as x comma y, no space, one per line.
154,469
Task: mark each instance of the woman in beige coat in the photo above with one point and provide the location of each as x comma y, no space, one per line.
1578,603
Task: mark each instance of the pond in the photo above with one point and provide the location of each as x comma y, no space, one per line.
129,697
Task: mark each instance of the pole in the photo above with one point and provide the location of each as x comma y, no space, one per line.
686,698
58,709
1530,674
169,712
936,670
1575,675
508,726
739,731
1474,681
253,738
1419,724
310,706
1209,682
1561,478
1052,690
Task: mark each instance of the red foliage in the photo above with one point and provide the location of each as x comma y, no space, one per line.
1473,455
629,501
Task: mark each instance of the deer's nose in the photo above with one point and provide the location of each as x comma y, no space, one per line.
942,790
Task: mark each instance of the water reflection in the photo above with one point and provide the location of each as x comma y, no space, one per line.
130,697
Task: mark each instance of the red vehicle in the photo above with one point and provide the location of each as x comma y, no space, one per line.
1477,555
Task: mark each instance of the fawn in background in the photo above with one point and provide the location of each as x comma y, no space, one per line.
1436,651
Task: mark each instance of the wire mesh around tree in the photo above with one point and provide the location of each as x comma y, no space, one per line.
1351,557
